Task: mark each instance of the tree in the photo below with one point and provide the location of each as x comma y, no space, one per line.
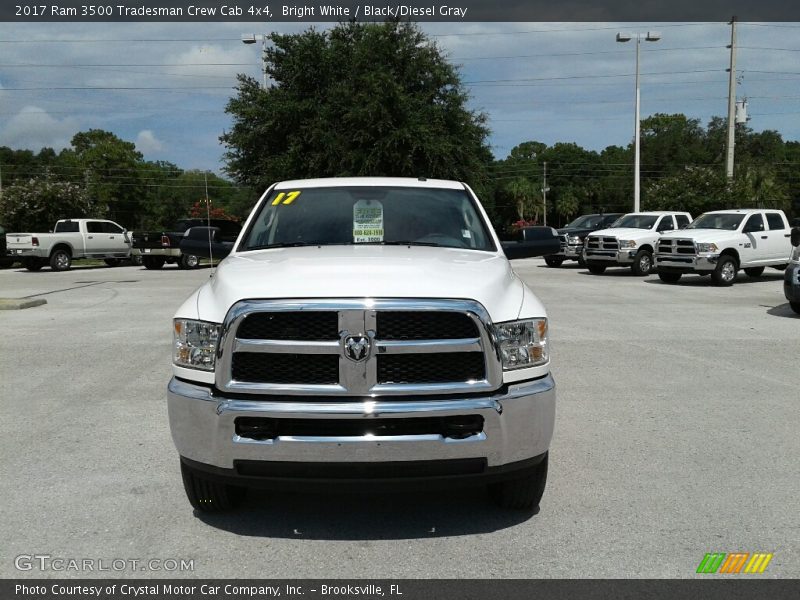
360,99
526,197
36,204
111,170
568,204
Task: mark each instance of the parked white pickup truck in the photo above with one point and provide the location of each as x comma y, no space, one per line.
631,241
71,239
721,242
364,331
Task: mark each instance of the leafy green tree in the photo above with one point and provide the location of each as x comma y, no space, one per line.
526,197
360,99
36,204
568,204
112,173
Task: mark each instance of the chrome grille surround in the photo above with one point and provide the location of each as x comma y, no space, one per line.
357,317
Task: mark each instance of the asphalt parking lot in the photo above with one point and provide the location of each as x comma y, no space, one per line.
676,435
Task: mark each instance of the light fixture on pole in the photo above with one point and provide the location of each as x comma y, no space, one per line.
251,38
650,36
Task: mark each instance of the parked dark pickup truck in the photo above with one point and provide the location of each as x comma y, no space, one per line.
573,235
158,248
5,259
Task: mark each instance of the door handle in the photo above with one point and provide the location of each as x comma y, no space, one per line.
111,237
89,237
763,237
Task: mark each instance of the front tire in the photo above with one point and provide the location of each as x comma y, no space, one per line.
596,269
60,260
725,273
188,261
33,264
552,261
642,263
153,262
668,277
795,307
210,496
524,492
754,271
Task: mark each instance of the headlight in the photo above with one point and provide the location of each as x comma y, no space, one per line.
707,248
194,344
522,343
573,239
627,244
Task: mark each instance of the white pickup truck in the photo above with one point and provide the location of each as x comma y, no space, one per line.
364,331
630,241
71,239
721,242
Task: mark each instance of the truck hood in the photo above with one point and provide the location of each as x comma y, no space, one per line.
367,272
700,235
626,233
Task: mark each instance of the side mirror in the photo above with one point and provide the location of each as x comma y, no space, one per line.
205,242
536,241
795,237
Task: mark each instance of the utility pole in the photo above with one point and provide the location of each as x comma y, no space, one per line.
731,103
545,189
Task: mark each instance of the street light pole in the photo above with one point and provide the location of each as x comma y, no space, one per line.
251,39
650,36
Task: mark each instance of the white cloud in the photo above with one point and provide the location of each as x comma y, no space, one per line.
147,142
33,128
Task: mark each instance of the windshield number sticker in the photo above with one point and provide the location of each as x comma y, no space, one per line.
284,198
367,221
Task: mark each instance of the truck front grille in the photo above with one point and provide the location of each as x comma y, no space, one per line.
357,348
684,247
289,326
411,325
601,243
316,369
431,368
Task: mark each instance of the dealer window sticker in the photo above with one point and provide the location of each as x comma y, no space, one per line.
367,221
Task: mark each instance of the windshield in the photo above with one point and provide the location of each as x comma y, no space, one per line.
587,221
636,221
729,221
368,215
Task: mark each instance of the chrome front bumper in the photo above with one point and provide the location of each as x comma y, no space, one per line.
570,252
611,257
518,425
687,263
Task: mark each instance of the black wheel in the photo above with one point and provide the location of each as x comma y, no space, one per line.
725,273
153,262
795,307
60,260
209,496
188,261
596,269
524,492
552,261
33,264
668,277
754,271
642,263
780,267
136,260
111,262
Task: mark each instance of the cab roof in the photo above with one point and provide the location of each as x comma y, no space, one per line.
370,181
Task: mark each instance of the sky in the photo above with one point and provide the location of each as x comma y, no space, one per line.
550,82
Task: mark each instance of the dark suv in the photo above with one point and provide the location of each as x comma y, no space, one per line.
574,234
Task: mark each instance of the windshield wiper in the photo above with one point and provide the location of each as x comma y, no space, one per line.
283,245
401,243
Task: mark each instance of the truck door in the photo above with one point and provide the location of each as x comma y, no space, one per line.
117,242
96,238
754,249
778,237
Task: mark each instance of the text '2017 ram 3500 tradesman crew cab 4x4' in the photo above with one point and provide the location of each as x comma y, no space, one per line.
631,241
719,243
364,330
